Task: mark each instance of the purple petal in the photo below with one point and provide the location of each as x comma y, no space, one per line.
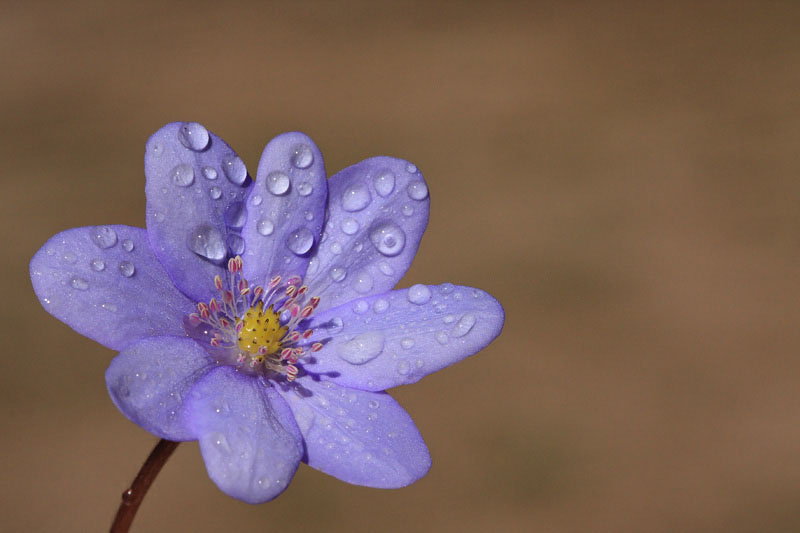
360,437
105,283
396,338
195,204
149,380
286,209
248,437
378,210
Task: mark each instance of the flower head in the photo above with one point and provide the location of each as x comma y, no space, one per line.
258,316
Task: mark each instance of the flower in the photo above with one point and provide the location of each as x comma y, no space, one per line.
258,317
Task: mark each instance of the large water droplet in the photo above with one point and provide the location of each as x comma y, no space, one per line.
207,242
104,236
209,173
215,192
98,265
356,197
305,189
183,175
417,190
362,282
277,183
193,136
349,225
419,294
79,283
235,215
127,245
362,348
338,273
300,241
265,227
464,325
384,183
235,244
127,269
234,169
388,238
302,156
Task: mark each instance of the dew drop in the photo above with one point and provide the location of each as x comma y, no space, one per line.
104,237
221,442
407,343
235,215
388,238
277,183
98,265
372,417
419,294
234,169
127,245
265,227
417,190
235,244
207,242
464,325
309,216
256,199
363,282
385,268
183,175
193,136
411,168
449,319
380,305
302,156
356,197
300,241
338,273
127,269
361,307
305,189
349,225
215,192
209,173
69,257
336,248
403,368
384,183
441,337
109,307
408,210
373,404
79,283
446,288
362,348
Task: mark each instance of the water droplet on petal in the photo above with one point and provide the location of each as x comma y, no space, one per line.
464,325
69,257
221,442
449,319
183,175
193,136
363,282
256,199
408,210
417,190
361,307
235,244
411,168
234,169
305,189
362,348
104,236
309,216
407,343
384,183
79,283
441,337
349,225
235,215
356,197
265,227
277,183
215,192
127,245
98,265
209,173
380,305
385,268
109,307
336,248
207,242
127,269
446,288
403,368
419,294
338,273
300,241
302,156
373,404
388,238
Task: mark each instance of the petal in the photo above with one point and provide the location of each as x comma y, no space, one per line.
364,438
377,211
195,205
149,380
396,338
248,437
105,283
286,208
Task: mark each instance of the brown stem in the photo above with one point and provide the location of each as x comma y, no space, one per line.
132,498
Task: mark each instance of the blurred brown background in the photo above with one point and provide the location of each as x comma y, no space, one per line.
623,177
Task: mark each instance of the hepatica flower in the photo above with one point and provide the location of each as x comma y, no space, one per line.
258,317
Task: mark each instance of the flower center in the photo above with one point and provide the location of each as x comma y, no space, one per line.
257,329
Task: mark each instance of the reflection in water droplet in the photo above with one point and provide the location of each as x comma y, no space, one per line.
193,136
300,241
127,269
104,236
384,183
302,156
277,183
207,242
234,169
265,227
356,197
388,238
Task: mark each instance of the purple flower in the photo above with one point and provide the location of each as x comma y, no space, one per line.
259,317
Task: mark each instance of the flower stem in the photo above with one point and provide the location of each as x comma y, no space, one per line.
132,498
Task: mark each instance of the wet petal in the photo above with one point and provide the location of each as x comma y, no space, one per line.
249,440
105,283
149,380
377,211
286,209
396,338
360,437
195,204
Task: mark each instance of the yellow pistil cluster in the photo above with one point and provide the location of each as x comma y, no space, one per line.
260,332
